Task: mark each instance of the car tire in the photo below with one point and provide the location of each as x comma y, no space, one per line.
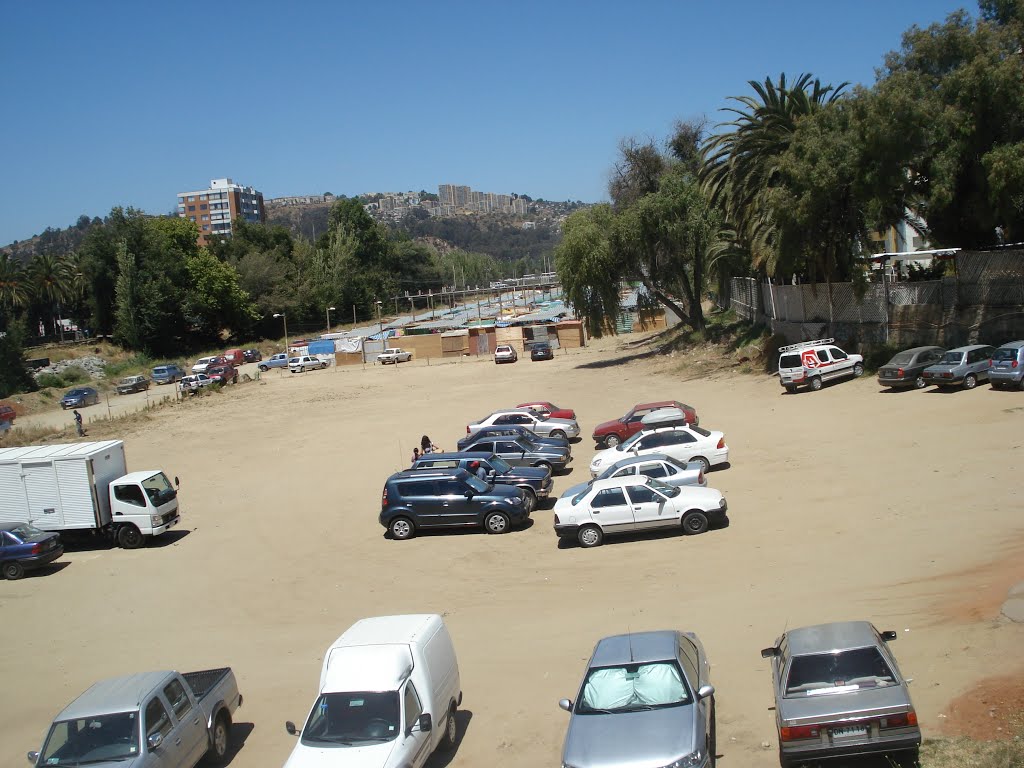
970,381
784,762
713,739
13,571
612,440
545,465
694,522
220,738
858,369
130,537
263,368
815,383
451,731
1020,384
705,465
530,497
558,433
920,383
496,522
590,536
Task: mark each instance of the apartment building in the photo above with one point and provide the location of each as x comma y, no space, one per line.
215,208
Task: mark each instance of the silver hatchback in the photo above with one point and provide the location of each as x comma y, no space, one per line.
1008,366
963,366
646,700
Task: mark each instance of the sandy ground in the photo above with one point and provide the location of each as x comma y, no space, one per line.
849,503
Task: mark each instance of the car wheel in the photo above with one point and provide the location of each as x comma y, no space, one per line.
530,497
791,388
590,536
705,465
558,433
858,369
816,383
612,440
401,528
221,738
130,537
496,522
970,381
451,731
13,571
1020,384
920,383
694,522
263,368
544,465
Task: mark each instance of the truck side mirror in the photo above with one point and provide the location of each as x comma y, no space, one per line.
424,722
32,757
155,740
290,727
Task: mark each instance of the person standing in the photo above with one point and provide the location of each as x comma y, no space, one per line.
78,424
428,447
415,454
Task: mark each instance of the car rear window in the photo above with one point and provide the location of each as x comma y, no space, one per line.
903,358
790,361
1005,354
841,672
952,358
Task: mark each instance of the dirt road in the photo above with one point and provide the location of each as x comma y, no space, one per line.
847,503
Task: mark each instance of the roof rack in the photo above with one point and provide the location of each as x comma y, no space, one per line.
804,344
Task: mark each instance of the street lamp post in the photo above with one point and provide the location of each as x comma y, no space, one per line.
284,317
381,324
329,310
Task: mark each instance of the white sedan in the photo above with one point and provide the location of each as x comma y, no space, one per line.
683,443
305,363
636,503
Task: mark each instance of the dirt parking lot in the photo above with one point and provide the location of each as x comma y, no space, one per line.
848,503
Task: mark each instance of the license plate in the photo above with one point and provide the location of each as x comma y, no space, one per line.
850,731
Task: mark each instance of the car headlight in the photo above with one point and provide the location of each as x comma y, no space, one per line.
595,463
515,500
721,503
688,761
156,520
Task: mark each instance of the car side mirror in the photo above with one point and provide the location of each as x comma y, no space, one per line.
155,740
768,653
565,704
889,635
32,757
704,691
469,494
424,722
290,727
177,483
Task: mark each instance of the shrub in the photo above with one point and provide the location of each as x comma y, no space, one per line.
74,374
46,380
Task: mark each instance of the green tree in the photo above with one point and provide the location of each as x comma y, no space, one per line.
589,269
14,285
129,328
14,375
214,300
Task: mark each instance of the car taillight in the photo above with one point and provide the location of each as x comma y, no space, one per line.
37,548
467,429
1013,364
384,499
947,375
721,443
799,732
899,721
899,371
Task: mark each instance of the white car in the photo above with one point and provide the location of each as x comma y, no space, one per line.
305,363
196,381
504,353
202,364
682,443
545,426
636,503
812,363
394,355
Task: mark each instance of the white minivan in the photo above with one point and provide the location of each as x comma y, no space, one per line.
389,690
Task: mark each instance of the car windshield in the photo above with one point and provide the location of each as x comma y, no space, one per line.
76,392
952,358
790,361
158,488
903,358
345,719
840,672
1005,354
25,530
158,371
663,488
633,688
626,445
500,465
477,484
92,740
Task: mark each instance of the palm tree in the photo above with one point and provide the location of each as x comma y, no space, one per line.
51,277
740,167
14,288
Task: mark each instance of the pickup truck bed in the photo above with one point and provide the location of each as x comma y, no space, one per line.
205,680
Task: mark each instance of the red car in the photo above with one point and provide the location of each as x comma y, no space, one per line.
222,373
550,409
7,414
611,433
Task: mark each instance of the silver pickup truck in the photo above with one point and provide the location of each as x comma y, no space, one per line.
145,720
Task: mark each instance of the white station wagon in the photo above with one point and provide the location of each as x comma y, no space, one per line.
636,503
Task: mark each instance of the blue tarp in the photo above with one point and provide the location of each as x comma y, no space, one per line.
322,347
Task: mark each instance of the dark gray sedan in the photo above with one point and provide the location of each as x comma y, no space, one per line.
535,482
520,453
906,367
839,693
646,700
514,431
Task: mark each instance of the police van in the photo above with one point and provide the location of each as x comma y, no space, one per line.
812,363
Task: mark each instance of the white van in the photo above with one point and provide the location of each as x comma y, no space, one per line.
389,690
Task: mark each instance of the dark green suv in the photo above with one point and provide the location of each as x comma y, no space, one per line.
448,498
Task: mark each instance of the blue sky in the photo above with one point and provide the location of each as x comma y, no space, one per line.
128,103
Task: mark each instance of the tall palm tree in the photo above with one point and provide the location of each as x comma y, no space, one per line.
740,167
52,279
14,287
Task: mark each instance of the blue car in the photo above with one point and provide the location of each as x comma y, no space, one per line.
280,360
22,546
166,374
79,397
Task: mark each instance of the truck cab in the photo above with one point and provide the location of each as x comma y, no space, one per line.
142,504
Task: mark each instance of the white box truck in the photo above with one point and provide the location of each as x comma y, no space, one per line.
389,690
86,487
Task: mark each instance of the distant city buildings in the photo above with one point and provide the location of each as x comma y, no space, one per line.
215,208
302,200
462,198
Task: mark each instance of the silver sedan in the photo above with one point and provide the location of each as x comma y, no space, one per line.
657,465
646,699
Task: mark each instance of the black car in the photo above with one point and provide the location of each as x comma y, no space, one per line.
514,431
542,351
251,356
522,453
79,397
535,482
905,368
448,498
23,546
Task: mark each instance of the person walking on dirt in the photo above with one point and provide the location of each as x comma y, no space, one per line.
78,424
